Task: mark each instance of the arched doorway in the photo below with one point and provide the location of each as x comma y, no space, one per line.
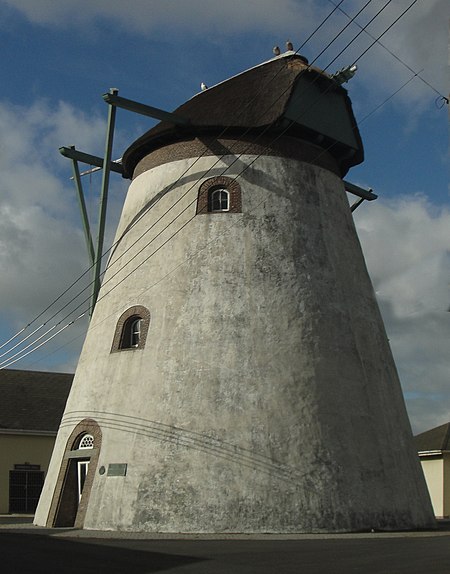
70,500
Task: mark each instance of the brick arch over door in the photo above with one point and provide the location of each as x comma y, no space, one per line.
65,509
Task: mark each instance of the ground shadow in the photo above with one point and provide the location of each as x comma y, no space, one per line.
37,554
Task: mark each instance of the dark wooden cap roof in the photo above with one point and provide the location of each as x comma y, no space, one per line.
437,438
32,400
252,102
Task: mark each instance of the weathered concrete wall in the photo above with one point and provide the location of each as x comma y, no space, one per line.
266,398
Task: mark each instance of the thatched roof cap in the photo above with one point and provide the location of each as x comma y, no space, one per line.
250,102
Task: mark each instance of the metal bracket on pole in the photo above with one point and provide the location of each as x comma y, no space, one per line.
84,215
114,100
107,165
359,191
75,154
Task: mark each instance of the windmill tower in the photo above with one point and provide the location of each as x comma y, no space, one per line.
236,375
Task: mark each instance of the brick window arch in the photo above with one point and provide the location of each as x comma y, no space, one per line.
131,329
219,195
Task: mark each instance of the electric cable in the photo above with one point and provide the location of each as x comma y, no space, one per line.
416,75
314,32
192,218
42,344
187,259
173,185
385,31
337,6
96,325
343,30
361,31
218,161
160,246
142,215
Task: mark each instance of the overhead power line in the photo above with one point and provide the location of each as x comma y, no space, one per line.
342,31
140,251
389,51
163,230
172,186
376,40
314,32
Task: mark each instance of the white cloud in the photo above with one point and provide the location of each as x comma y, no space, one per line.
419,38
417,43
42,247
406,243
201,17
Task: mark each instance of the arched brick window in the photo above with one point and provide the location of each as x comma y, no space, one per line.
131,329
219,195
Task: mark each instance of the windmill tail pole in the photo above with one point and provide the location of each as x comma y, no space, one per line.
104,199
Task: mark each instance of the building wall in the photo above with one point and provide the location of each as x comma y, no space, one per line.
436,470
266,398
21,449
446,484
433,470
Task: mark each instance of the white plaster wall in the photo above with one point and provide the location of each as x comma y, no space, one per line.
266,398
433,469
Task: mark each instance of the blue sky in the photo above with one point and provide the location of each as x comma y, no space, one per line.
58,58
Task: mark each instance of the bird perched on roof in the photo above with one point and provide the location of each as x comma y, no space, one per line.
276,50
203,86
289,45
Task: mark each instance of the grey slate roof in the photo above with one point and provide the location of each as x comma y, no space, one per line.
254,100
437,438
32,400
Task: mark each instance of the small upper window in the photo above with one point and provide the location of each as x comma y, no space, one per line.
219,200
131,329
219,195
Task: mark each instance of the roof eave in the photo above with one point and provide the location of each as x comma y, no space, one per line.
28,432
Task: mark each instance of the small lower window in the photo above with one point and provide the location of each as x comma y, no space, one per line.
131,329
131,334
135,332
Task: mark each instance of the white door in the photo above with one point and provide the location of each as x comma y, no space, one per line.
83,466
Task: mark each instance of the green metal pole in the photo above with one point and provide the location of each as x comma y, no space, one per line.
84,215
103,199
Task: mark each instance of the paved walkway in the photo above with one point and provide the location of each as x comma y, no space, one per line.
27,549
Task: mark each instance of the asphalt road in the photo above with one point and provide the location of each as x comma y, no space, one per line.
25,552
